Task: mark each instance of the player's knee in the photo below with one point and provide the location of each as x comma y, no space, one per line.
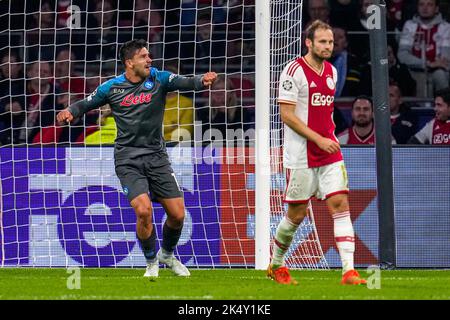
176,219
297,212
340,206
144,213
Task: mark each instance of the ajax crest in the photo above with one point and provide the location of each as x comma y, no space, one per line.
330,83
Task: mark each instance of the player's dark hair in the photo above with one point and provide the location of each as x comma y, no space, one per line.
129,49
317,24
363,97
444,94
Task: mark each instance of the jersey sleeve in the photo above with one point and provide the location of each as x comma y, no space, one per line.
172,81
425,134
95,100
288,89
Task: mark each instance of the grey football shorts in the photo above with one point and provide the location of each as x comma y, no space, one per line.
150,173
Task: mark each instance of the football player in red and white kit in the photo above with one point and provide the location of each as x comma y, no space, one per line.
311,153
437,131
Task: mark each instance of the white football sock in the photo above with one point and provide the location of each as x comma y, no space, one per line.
345,239
283,238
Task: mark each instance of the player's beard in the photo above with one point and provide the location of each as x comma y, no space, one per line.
319,57
142,73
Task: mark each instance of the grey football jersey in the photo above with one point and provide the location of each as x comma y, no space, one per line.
138,109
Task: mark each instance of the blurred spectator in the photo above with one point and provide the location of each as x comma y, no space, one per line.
425,47
178,121
12,97
317,10
106,131
70,84
244,87
403,121
359,42
362,130
149,25
205,47
40,32
189,9
101,43
398,73
398,11
41,105
224,112
437,131
347,65
343,13
63,15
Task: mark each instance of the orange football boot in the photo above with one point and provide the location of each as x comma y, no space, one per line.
280,275
352,277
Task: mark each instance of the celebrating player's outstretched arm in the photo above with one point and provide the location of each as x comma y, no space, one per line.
137,99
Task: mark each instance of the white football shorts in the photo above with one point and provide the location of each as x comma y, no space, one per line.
321,182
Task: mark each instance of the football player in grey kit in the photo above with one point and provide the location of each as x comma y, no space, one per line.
137,99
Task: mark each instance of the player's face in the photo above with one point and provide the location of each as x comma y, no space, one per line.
322,46
362,113
442,109
141,63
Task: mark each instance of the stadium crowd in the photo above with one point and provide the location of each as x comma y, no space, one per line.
48,65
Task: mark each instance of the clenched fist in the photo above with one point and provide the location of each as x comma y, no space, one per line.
209,78
64,116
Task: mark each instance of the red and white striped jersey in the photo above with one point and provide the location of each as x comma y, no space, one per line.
435,132
312,93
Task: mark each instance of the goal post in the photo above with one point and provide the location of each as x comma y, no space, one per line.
262,143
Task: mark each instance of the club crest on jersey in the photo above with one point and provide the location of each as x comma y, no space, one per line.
149,85
131,99
330,83
287,85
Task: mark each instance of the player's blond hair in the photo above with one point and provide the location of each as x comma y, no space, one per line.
317,24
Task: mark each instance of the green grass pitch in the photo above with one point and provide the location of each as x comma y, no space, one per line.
217,284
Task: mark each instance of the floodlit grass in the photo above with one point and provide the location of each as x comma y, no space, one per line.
217,284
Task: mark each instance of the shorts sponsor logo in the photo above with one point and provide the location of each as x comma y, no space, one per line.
125,190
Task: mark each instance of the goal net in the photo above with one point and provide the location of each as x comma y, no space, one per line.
61,202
